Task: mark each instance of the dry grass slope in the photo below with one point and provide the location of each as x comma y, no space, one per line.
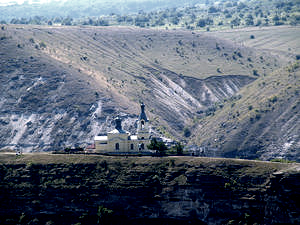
69,82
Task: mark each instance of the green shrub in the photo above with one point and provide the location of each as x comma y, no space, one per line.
255,73
282,160
273,99
186,132
42,45
103,214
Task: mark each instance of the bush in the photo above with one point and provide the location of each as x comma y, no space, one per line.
42,45
282,160
186,132
255,73
201,23
179,148
158,146
103,214
273,99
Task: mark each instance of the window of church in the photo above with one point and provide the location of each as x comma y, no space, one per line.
117,146
131,146
142,146
142,138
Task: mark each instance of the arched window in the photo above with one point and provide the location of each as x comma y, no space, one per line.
142,138
117,146
142,146
131,146
142,124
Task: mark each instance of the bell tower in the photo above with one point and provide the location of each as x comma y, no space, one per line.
143,125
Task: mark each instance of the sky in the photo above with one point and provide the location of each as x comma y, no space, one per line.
9,2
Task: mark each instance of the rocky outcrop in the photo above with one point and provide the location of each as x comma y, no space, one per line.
147,190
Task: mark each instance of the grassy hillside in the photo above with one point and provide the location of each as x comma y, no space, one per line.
88,189
263,122
69,82
280,42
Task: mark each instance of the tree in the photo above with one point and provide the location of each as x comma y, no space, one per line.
175,20
159,146
212,9
179,148
235,22
67,21
101,22
103,214
201,23
186,132
249,20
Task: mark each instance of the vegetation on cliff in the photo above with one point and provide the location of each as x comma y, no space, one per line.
86,189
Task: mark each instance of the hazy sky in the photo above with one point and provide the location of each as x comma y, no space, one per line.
4,2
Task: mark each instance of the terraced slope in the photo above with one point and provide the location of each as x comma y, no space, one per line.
281,42
63,85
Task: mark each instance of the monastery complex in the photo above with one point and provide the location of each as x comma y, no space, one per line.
119,141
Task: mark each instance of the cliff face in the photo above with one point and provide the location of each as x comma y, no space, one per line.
90,189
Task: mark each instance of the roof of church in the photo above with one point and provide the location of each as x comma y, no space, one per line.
100,138
133,137
118,131
118,128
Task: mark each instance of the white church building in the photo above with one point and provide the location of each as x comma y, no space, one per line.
119,141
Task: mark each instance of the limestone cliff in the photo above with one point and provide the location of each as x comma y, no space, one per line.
41,188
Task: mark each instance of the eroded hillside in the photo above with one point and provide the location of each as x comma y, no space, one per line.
262,123
62,85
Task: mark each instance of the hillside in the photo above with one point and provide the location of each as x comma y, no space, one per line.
79,8
167,14
280,42
72,189
262,123
63,85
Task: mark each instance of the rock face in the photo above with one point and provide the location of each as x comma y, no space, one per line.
147,190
